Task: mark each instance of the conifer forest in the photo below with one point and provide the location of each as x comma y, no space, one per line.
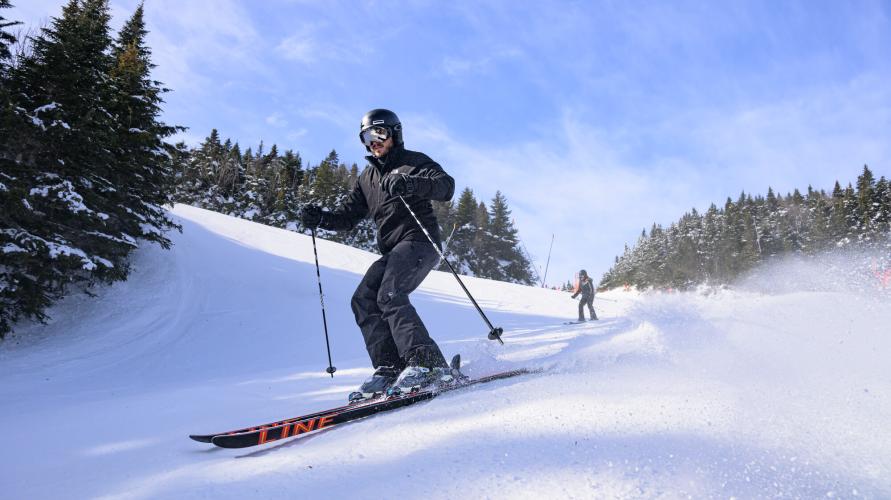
723,243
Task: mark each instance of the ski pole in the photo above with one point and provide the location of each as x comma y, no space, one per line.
331,369
494,333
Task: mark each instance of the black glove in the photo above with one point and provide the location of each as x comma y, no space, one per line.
311,216
398,184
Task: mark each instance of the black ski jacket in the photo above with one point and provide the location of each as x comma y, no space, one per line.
393,221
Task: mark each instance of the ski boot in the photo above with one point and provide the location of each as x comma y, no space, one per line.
376,385
416,378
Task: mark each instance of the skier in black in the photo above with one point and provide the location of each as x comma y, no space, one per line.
586,289
401,350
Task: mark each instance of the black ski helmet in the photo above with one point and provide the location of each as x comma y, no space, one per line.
382,118
583,273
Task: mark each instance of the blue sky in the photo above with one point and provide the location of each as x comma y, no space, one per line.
595,119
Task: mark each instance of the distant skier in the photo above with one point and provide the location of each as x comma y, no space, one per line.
586,289
400,347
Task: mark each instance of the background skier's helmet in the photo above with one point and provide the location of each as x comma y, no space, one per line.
583,273
382,118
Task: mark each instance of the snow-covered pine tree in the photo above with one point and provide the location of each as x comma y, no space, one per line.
65,86
445,216
287,174
145,176
793,223
323,188
711,233
883,202
684,262
71,220
274,177
817,208
867,206
6,38
851,214
13,258
294,166
750,234
484,265
771,237
462,253
230,175
504,245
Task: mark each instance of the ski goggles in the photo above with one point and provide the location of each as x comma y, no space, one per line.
374,134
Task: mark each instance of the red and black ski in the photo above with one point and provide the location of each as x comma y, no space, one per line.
206,438
329,418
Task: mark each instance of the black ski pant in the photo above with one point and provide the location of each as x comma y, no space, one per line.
586,301
393,331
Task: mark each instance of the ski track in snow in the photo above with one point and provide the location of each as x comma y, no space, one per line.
732,394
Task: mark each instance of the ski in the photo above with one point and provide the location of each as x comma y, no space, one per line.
206,438
330,418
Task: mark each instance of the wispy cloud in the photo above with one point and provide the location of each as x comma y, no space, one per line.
312,44
300,48
193,53
456,66
296,134
331,113
277,119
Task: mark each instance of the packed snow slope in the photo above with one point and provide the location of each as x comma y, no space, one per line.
746,392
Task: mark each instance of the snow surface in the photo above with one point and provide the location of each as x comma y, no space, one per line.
738,393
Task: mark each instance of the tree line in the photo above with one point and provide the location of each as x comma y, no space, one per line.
270,187
84,169
718,246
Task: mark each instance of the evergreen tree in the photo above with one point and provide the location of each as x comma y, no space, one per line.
229,175
817,234
750,235
712,223
74,220
867,206
838,223
445,216
882,202
6,39
461,249
504,245
144,171
17,292
852,215
87,184
483,263
685,262
771,239
324,186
